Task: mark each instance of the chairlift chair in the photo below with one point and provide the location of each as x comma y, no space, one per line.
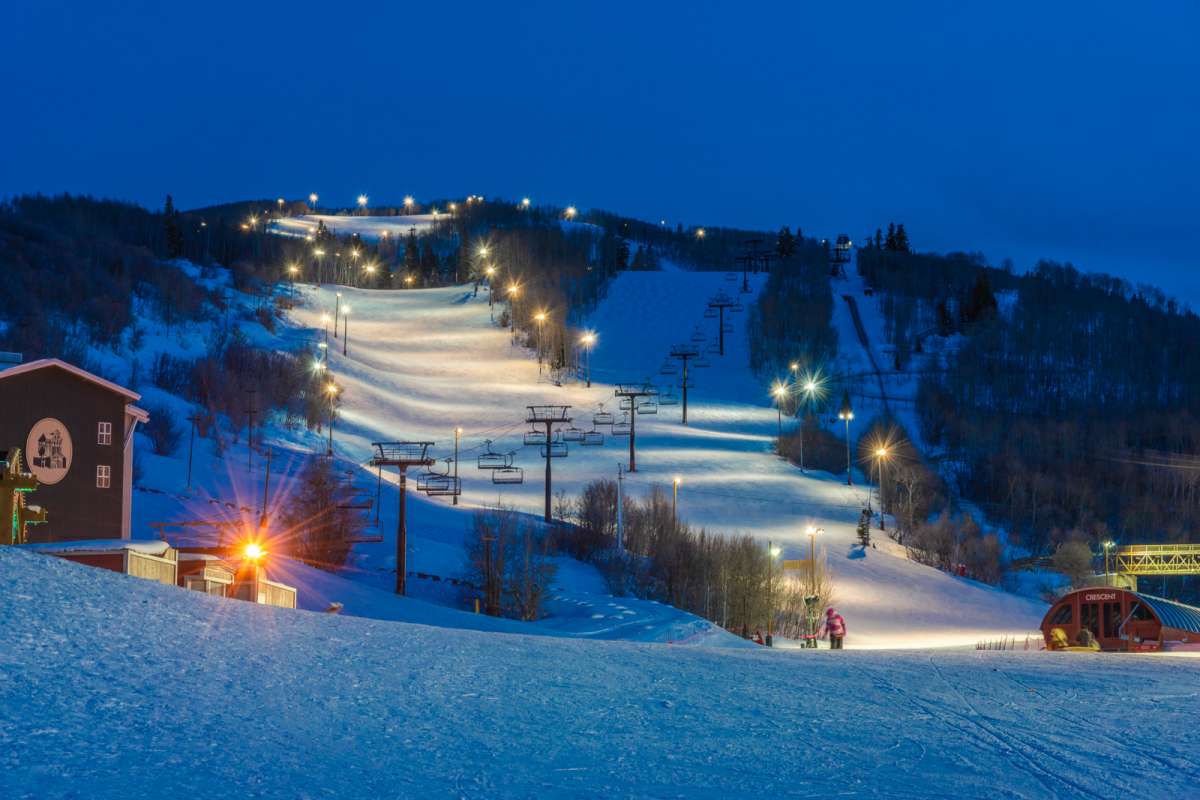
555,450
508,475
572,434
647,407
702,362
731,276
623,427
737,307
592,439
698,335
727,327
668,368
535,437
444,487
602,418
713,348
710,313
668,399
492,459
626,403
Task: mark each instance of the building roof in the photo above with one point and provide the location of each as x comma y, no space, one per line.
42,363
1171,613
150,547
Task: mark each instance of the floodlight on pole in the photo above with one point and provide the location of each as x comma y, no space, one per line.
588,340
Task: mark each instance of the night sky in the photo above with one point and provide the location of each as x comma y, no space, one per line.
1067,130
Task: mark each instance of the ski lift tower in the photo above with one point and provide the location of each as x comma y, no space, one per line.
401,455
549,416
720,301
753,259
634,392
683,353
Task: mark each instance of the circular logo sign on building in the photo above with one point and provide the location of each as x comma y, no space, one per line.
48,450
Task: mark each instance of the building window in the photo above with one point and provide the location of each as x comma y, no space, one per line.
103,476
104,433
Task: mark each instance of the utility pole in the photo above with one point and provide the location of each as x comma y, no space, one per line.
846,414
262,520
345,329
634,392
402,455
250,411
683,353
549,416
192,418
457,439
337,309
620,506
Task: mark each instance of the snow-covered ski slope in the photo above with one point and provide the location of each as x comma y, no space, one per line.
367,228
422,362
115,687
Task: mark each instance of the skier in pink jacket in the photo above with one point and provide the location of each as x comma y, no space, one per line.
835,626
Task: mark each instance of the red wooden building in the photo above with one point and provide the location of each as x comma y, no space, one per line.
1122,620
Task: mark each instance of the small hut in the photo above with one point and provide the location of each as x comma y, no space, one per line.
1123,620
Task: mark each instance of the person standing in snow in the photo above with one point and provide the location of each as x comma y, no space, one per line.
835,626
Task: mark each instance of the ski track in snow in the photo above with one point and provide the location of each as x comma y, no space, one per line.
115,687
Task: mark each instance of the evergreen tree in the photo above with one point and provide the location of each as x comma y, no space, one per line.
878,239
785,244
901,239
174,233
981,304
623,253
412,253
429,262
864,529
889,243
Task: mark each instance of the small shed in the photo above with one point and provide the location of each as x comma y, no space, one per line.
150,559
1123,620
204,572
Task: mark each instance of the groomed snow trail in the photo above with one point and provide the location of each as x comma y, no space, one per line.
114,687
421,362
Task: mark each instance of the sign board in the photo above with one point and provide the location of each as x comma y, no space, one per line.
1092,597
48,450
796,563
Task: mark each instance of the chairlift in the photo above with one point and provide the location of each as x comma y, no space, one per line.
626,403
648,407
602,418
623,427
668,368
444,487
731,276
737,307
668,399
727,327
508,475
710,313
493,460
713,348
572,434
535,437
698,335
592,439
702,362
555,450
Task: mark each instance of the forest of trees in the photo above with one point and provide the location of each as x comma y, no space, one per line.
1069,409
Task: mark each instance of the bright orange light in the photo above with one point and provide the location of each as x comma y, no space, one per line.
700,233
331,388
571,212
253,551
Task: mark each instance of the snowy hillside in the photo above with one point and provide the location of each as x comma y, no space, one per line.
369,229
421,362
132,690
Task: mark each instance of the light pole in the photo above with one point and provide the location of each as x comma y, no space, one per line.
513,291
408,203
881,454
320,254
332,390
457,488
772,554
810,387
675,500
811,600
345,328
588,340
541,319
1107,546
847,414
337,310
362,203
780,391
312,201
325,319
292,270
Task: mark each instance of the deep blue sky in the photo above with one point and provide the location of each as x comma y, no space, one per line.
1016,129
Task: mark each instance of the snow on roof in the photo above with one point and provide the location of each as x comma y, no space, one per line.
42,363
150,547
367,228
